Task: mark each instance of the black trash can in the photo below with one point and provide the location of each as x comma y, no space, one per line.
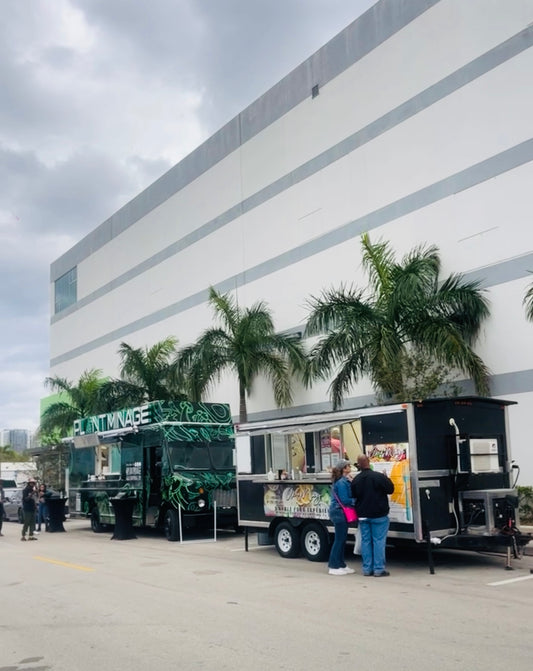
56,513
123,509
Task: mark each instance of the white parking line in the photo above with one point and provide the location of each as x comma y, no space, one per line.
507,582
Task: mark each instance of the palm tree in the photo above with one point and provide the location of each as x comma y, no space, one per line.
77,400
246,344
407,313
146,374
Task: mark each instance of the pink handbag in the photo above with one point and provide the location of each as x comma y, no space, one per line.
349,513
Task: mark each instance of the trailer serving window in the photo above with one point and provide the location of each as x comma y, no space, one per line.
304,448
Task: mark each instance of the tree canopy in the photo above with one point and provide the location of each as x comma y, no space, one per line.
246,344
407,313
80,399
146,374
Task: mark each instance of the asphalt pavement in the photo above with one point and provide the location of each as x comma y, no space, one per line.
79,601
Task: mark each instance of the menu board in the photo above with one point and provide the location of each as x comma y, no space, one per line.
393,460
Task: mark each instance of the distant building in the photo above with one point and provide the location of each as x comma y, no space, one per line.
18,440
4,437
18,471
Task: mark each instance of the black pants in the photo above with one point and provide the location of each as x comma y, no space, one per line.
29,522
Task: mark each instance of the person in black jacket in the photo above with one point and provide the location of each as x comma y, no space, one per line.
370,490
29,506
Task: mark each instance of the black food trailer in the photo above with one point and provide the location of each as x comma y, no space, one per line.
449,460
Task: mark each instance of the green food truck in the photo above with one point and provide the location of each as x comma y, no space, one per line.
176,460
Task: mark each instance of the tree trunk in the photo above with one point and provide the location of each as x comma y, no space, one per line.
243,413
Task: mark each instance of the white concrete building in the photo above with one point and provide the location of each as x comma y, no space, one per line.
19,471
413,124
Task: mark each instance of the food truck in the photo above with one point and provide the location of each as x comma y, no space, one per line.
175,459
449,460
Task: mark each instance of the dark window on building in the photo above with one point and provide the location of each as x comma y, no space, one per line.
66,290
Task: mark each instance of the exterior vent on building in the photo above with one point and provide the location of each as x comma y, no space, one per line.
314,91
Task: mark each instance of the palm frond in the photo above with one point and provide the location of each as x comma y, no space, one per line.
528,303
225,309
378,259
336,309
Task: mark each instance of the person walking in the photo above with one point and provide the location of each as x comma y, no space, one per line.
29,507
340,493
370,489
2,499
42,510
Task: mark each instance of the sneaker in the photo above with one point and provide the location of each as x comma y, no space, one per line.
32,538
383,574
23,538
336,571
346,570
368,574
37,533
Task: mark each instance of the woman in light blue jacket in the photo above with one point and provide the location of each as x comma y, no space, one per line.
340,493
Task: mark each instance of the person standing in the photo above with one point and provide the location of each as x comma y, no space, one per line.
340,493
29,507
2,499
42,510
370,489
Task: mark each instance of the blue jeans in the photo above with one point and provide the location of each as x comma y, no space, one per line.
373,539
336,555
42,515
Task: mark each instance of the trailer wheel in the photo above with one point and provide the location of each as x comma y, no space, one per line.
96,525
315,542
287,540
171,525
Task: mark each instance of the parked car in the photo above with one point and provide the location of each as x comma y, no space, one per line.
13,505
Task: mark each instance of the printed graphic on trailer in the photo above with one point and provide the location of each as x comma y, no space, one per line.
393,460
296,501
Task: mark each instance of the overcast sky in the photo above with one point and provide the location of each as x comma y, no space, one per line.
98,99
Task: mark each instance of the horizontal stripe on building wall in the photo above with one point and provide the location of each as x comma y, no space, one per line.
438,91
503,384
465,179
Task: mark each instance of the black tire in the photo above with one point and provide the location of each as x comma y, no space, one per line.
315,542
96,525
171,525
287,540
